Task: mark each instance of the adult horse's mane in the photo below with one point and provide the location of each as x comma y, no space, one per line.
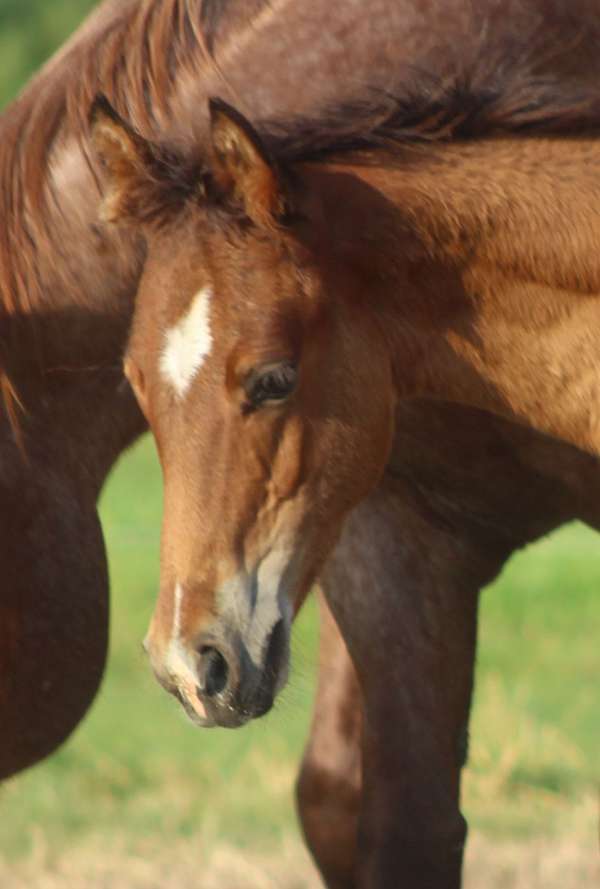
133,52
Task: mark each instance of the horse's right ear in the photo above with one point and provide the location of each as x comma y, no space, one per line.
242,169
125,158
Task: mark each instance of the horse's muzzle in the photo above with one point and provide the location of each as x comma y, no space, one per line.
232,688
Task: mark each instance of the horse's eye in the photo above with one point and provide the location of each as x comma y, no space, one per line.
270,383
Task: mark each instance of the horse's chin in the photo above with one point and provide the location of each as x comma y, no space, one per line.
221,719
206,714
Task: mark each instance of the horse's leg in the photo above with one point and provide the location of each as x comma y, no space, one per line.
329,785
404,592
53,613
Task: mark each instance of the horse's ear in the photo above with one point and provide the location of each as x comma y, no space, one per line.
242,169
125,158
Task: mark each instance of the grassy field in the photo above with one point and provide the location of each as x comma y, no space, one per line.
139,799
29,32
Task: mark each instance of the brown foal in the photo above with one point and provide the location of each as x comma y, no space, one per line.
300,287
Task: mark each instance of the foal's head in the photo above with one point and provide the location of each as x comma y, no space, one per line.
256,370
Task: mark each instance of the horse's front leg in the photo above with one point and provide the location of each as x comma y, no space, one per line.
329,787
404,593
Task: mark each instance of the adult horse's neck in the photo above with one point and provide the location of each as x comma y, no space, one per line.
498,306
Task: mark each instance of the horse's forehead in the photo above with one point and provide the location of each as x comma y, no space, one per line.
187,343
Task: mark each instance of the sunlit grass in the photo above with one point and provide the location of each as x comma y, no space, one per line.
536,723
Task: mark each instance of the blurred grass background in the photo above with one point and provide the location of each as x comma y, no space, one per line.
138,798
30,30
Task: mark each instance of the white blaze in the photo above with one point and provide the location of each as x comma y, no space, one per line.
179,664
176,634
187,344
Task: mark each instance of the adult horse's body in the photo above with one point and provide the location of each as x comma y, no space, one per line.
298,291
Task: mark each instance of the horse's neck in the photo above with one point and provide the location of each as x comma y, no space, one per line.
502,309
527,206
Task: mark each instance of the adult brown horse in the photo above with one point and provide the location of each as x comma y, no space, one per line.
297,291
67,286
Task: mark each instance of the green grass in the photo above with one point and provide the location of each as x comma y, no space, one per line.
29,32
136,772
536,721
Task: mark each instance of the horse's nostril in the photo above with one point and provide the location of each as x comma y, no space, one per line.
214,671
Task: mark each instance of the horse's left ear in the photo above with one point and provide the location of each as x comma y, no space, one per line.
242,169
130,172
